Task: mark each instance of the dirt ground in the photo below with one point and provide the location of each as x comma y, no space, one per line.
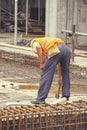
17,72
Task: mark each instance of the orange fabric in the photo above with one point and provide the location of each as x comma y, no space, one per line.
47,42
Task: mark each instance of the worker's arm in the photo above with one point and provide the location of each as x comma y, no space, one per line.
40,56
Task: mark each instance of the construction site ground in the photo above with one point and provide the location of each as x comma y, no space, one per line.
19,66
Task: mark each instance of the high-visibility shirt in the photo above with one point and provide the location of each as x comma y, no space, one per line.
47,42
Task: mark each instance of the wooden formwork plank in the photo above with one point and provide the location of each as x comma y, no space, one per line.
53,89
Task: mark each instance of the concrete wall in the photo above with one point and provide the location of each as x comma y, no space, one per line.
62,14
82,22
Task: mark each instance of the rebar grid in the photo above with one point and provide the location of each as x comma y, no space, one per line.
71,116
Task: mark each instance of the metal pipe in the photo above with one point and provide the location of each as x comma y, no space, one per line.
26,17
38,11
73,33
80,55
76,33
0,14
73,42
10,8
15,31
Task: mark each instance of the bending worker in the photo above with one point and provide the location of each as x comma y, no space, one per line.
51,51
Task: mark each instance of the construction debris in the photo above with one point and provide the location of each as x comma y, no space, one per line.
7,23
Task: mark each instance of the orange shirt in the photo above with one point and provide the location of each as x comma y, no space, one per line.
47,42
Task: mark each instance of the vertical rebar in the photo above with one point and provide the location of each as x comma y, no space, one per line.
15,21
73,41
0,120
0,15
26,17
38,11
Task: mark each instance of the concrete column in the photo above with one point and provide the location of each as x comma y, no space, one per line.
61,18
55,18
51,18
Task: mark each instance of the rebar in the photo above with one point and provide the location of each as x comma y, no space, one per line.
70,116
73,35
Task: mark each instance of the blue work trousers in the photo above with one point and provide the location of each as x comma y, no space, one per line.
49,69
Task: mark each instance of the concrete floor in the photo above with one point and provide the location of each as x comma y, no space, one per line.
13,96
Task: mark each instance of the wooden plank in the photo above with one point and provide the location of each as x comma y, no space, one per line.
53,89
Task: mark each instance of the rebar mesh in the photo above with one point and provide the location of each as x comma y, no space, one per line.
72,116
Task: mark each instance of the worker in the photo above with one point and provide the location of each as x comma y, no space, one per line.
50,52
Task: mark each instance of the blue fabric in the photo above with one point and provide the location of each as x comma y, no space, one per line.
49,69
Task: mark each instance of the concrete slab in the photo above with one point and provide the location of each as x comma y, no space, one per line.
11,95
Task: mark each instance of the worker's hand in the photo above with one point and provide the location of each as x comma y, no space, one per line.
41,65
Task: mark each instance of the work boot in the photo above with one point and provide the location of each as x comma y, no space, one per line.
37,101
67,98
